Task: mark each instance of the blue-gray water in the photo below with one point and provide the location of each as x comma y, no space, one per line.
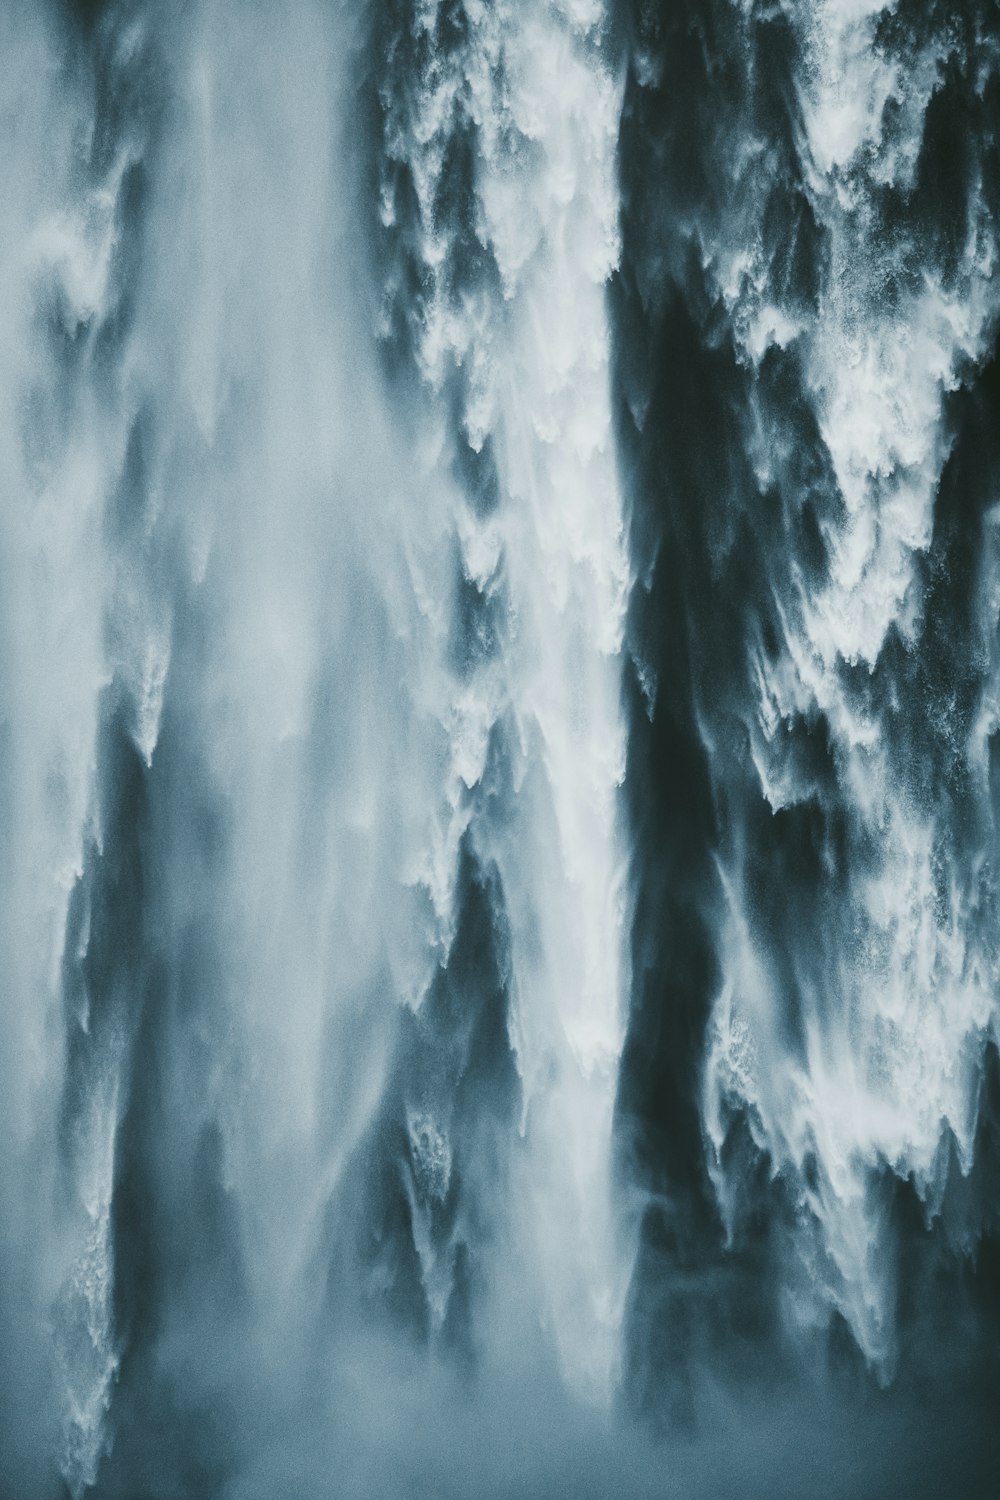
499,771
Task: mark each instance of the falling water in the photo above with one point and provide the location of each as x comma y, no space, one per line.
521,336
498,716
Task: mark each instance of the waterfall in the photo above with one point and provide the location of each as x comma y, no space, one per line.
499,701
519,332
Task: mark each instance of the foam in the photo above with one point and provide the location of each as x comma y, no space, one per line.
536,375
893,1043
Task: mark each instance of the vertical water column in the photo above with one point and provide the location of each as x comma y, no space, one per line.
880,1066
295,771
223,621
517,106
553,226
65,186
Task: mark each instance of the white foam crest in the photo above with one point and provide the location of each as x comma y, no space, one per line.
891,1060
880,386
848,80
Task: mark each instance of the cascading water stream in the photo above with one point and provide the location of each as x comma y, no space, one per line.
894,1026
527,93
499,697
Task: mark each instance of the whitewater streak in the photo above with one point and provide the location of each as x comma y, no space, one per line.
499,706
527,338
893,1028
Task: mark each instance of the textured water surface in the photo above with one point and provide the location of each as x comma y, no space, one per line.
499,749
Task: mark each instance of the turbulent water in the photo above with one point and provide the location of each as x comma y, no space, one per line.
499,748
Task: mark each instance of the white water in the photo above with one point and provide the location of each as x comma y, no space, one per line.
894,1039
238,544
212,513
544,103
59,448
